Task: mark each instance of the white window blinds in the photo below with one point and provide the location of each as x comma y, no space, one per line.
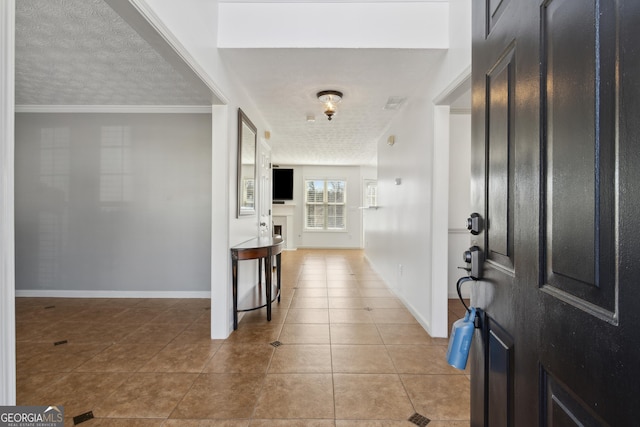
325,204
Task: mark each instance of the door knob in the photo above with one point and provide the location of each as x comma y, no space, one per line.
474,258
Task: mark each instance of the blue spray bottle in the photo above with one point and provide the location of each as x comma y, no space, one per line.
460,341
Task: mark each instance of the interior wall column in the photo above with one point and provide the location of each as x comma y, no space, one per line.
221,302
7,227
440,224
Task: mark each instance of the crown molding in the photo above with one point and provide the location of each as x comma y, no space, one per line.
122,109
457,87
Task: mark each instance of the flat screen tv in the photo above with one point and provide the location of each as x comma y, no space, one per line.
282,184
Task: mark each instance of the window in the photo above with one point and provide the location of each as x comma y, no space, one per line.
116,171
371,193
325,204
248,193
55,160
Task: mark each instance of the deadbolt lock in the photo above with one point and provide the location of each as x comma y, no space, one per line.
474,223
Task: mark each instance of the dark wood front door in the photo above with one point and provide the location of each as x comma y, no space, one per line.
556,178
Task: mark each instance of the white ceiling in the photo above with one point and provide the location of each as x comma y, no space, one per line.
284,83
81,52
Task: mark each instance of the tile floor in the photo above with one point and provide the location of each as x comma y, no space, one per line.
350,355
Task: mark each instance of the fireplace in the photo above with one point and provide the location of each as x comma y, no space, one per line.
283,224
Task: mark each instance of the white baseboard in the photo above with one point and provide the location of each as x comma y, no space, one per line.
111,294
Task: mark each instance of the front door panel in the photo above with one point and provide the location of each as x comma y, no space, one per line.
556,172
499,160
579,163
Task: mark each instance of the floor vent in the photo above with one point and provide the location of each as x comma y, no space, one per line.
368,309
419,420
60,342
82,418
49,306
276,343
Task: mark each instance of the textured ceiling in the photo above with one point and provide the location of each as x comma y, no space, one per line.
81,52
283,84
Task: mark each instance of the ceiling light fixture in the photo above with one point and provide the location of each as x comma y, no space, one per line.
330,99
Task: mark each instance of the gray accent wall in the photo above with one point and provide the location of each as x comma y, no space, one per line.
113,202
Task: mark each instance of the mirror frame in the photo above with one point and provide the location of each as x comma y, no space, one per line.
243,121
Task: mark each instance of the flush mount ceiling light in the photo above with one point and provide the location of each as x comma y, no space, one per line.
330,99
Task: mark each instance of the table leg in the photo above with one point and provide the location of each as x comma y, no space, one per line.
278,275
260,272
234,273
267,262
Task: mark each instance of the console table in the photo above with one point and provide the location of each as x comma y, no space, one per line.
262,249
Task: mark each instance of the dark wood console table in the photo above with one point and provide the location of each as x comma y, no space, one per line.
262,249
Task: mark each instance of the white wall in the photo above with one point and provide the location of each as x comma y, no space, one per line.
113,204
459,198
382,25
400,235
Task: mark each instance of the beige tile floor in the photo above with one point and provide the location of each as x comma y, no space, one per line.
350,355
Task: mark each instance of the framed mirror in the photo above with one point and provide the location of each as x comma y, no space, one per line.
247,141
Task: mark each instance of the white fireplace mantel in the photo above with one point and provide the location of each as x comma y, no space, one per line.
283,210
282,214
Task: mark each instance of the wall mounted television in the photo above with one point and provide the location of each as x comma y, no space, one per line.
282,180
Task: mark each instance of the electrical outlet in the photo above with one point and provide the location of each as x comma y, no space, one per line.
400,269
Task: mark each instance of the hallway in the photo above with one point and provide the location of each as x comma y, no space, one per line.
341,350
